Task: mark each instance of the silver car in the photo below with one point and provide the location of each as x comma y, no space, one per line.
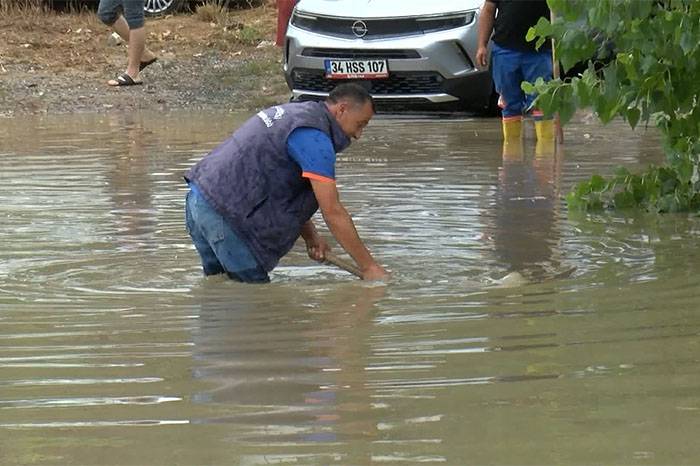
407,52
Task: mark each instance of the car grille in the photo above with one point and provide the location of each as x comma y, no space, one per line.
360,54
397,83
405,105
379,28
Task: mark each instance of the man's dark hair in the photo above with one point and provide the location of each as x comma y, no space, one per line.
353,92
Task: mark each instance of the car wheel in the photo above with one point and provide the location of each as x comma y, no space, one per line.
161,7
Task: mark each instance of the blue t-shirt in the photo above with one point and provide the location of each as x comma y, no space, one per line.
313,150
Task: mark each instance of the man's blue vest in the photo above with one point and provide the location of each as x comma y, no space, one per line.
256,186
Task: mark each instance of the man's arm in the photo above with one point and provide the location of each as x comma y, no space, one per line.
343,229
486,20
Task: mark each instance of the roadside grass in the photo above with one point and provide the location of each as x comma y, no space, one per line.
211,12
259,78
264,64
26,13
33,34
230,28
246,34
22,6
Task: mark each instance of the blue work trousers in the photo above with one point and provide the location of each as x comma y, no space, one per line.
512,67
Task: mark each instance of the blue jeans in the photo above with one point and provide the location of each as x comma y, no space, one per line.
220,249
512,67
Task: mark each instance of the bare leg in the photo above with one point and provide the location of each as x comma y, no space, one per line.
137,45
121,28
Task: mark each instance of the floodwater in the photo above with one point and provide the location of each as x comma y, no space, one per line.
114,350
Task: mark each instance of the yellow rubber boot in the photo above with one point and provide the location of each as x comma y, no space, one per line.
544,129
512,129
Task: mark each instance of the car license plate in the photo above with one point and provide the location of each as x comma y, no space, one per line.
356,69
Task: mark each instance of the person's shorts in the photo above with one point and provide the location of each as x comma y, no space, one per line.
108,12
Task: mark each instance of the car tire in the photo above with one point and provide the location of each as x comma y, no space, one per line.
488,110
492,109
161,7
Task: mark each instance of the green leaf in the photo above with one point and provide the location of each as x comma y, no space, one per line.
532,33
633,115
684,170
622,172
624,200
597,183
567,110
583,91
528,88
575,202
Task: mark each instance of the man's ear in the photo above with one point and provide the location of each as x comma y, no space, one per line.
342,107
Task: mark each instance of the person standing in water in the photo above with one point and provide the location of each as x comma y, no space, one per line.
252,197
514,60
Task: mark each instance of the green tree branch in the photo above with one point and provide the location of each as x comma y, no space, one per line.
643,61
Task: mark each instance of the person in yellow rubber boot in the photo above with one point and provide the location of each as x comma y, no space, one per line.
514,60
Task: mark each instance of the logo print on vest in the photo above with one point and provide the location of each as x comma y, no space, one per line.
279,113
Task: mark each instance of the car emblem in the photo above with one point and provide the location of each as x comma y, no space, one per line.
359,28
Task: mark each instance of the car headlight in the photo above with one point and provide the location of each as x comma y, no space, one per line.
303,20
445,22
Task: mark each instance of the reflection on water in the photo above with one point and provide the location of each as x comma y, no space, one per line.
525,216
289,378
115,350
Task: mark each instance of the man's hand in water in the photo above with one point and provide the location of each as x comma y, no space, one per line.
375,272
317,248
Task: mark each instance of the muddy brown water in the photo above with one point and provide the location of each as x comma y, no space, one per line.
114,350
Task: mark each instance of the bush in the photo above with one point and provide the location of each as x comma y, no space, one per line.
651,76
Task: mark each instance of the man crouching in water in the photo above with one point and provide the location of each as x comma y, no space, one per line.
254,195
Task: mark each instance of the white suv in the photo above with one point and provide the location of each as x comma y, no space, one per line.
407,52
